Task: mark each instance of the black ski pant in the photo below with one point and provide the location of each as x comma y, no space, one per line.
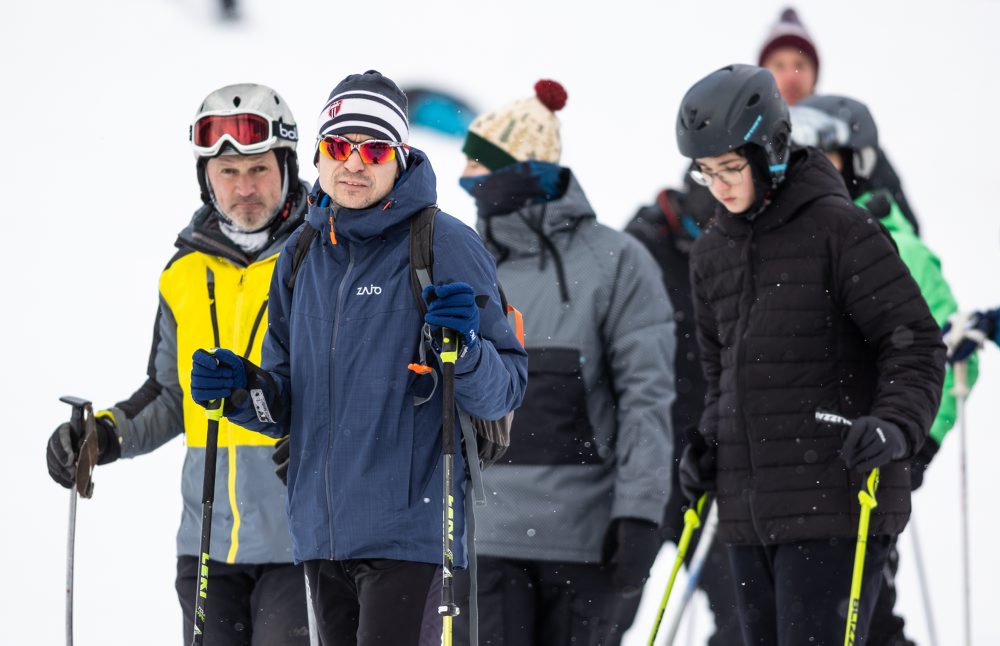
798,593
887,627
376,602
715,581
247,604
540,603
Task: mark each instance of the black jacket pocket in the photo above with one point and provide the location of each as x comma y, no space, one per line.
552,426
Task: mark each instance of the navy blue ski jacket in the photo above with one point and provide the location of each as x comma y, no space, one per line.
365,472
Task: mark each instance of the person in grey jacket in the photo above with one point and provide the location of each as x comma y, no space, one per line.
569,531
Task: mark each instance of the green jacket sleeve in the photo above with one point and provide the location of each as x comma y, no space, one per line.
925,267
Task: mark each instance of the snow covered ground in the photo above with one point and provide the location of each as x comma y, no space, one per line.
98,178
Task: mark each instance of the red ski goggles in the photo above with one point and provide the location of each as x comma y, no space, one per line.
248,132
373,151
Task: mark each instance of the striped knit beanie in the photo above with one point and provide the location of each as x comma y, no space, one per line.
525,130
367,104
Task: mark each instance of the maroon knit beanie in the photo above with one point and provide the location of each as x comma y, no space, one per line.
789,32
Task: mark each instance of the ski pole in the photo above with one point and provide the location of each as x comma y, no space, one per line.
961,392
214,413
867,499
868,502
310,613
694,571
924,583
449,354
82,416
692,520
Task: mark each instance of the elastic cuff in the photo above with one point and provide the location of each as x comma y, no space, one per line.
109,447
469,361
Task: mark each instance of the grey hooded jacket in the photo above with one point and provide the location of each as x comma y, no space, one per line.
591,441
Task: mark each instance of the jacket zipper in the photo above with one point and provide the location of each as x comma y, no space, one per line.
741,382
333,355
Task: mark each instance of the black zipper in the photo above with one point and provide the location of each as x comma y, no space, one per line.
333,355
751,289
256,325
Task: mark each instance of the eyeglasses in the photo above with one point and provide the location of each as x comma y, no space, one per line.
729,176
373,151
248,132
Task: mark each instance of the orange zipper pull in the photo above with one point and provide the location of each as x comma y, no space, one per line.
333,236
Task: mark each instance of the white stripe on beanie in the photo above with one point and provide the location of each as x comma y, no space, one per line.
362,111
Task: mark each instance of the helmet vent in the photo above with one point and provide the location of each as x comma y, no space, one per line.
277,101
236,101
753,100
704,124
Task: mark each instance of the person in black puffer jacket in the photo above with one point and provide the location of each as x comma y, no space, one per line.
801,304
668,228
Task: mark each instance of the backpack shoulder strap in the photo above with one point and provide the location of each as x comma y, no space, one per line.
302,244
422,253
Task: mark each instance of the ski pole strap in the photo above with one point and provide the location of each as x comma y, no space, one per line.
867,496
472,459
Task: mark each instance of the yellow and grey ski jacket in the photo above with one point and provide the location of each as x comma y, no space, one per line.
213,295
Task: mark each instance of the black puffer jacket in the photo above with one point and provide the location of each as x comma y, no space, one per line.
808,307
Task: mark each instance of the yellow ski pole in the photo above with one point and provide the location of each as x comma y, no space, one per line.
868,502
867,499
692,521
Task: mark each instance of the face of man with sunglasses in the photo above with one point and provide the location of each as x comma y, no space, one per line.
728,178
247,188
352,183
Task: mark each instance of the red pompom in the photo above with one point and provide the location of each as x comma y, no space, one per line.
551,94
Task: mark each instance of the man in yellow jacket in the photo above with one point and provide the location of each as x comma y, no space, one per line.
213,292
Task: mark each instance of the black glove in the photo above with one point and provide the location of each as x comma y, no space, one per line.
920,461
872,442
64,448
280,459
697,467
629,549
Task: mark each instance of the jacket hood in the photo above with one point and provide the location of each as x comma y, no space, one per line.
203,234
520,232
810,177
415,190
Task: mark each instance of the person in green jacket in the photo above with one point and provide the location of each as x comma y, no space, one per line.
845,130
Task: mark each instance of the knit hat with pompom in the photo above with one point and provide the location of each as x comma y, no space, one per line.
526,130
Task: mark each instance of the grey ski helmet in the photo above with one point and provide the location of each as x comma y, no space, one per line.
244,119
833,123
733,107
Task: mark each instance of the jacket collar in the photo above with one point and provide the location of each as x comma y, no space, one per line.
414,190
513,232
810,176
202,233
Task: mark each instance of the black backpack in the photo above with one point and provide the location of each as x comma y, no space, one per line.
488,439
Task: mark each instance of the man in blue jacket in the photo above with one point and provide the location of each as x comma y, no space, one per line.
365,468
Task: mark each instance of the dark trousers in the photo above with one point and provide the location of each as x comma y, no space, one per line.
887,627
798,593
368,602
247,605
715,581
540,603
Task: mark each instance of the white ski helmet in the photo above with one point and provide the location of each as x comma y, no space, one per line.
244,119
